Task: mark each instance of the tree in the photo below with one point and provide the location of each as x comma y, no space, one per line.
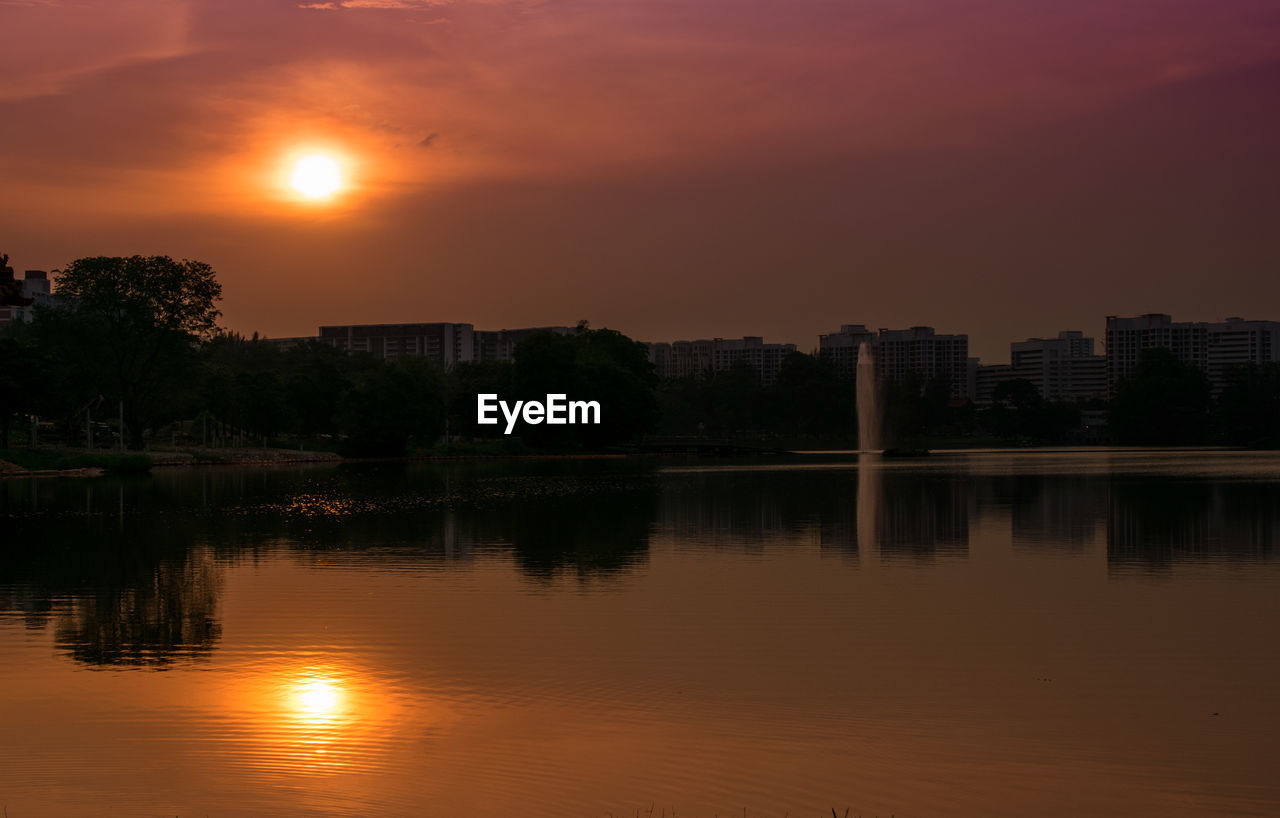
1249,406
467,380
1164,401
601,365
133,325
393,405
20,374
809,398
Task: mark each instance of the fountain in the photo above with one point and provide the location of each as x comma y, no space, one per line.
869,438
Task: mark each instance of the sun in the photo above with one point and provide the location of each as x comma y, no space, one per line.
316,176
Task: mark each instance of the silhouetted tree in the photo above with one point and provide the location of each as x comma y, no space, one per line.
20,372
466,381
1164,401
131,326
399,402
1249,406
601,365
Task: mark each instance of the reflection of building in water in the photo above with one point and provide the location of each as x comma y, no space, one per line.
838,525
904,514
923,517
1055,511
749,511
739,510
1159,522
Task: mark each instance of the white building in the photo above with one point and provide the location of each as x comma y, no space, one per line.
1214,347
33,289
1062,368
841,348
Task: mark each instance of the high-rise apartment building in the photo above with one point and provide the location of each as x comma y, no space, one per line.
683,359
500,344
1212,346
1235,341
923,353
901,353
442,343
445,344
841,348
1062,368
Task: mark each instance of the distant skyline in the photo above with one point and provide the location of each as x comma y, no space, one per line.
801,344
673,170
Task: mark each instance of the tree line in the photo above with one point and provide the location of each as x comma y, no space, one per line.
136,340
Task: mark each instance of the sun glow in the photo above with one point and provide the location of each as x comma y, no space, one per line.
316,176
317,698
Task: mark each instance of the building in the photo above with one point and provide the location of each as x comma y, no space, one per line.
445,344
682,359
1214,347
685,359
1127,338
19,297
442,343
841,348
1234,342
990,376
753,351
500,344
922,353
1063,369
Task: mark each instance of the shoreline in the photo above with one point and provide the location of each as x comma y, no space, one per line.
265,458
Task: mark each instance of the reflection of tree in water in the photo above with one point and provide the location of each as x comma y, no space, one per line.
592,524
1157,522
117,589
170,613
593,536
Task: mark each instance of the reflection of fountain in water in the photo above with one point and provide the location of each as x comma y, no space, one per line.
869,438
868,501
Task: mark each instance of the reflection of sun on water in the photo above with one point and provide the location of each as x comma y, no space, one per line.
320,719
318,697
324,719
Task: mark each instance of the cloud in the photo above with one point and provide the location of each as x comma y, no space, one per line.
335,5
428,140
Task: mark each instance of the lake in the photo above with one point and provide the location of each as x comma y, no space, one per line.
983,633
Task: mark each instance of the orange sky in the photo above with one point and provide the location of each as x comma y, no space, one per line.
673,169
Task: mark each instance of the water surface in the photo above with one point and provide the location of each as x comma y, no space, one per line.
983,633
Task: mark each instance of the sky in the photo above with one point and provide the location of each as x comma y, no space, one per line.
670,168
